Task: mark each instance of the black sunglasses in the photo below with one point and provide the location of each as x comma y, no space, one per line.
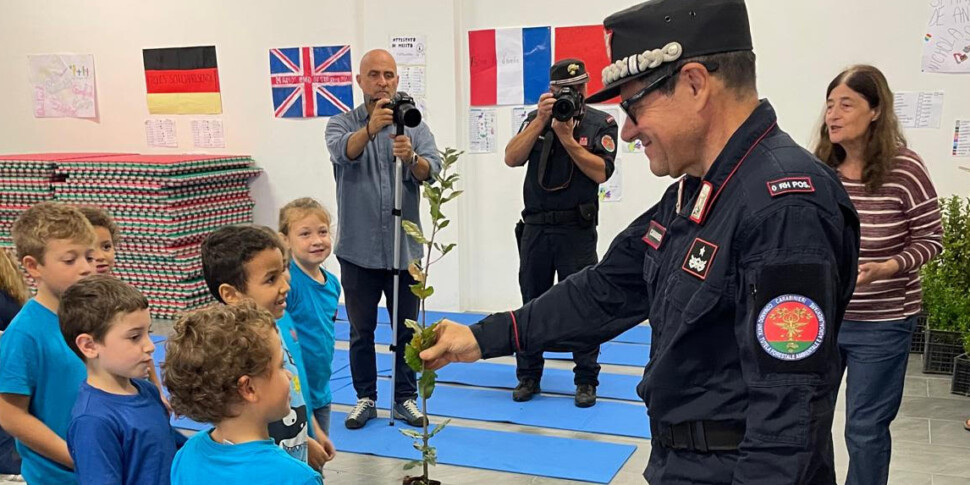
627,104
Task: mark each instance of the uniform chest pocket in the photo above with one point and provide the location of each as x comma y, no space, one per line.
692,299
650,269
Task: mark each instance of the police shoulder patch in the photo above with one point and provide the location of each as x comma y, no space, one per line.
608,143
790,327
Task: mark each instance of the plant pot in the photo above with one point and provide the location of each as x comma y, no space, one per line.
419,481
919,337
941,348
960,384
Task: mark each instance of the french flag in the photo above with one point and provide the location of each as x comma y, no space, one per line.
509,66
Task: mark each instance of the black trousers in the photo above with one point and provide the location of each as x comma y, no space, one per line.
363,288
546,252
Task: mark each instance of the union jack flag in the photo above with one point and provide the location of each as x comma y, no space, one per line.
311,81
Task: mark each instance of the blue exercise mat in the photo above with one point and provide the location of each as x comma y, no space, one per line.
502,376
614,353
544,411
636,335
548,456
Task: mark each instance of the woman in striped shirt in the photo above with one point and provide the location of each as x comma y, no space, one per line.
901,230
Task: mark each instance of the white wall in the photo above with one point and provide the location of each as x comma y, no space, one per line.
800,47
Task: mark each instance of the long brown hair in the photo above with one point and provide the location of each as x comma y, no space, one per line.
885,136
12,279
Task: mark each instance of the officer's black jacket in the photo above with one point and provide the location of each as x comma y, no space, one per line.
776,226
596,132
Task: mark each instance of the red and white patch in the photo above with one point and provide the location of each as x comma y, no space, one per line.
608,143
655,235
583,141
790,185
700,258
608,37
699,211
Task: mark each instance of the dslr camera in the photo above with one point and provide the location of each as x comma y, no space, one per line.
569,104
405,112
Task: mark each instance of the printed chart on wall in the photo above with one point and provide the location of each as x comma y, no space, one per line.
519,115
961,139
308,82
63,86
409,51
182,80
946,45
481,130
509,66
918,109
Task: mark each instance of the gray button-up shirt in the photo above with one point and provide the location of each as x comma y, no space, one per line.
365,191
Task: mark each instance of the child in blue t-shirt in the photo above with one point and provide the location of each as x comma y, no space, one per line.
246,263
39,375
314,294
225,365
119,431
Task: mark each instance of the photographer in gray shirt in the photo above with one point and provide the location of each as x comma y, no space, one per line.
363,146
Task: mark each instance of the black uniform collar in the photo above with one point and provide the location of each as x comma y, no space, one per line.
761,122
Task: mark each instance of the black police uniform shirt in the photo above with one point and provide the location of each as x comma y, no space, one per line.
744,276
597,133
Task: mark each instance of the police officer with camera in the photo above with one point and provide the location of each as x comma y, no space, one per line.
363,145
569,148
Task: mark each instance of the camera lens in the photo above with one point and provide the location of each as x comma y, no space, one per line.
405,113
563,108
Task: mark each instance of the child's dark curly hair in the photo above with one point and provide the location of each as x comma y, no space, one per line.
208,353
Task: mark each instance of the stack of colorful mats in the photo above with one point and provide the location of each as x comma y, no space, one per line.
164,206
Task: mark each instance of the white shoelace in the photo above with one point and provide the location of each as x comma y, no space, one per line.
411,407
362,405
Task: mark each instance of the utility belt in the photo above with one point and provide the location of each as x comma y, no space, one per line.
699,436
584,216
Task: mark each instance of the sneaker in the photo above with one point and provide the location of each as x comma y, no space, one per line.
585,395
408,411
525,390
364,411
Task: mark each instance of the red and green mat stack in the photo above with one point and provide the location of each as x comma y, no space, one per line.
164,205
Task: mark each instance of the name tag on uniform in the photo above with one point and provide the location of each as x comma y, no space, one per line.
700,258
789,185
655,235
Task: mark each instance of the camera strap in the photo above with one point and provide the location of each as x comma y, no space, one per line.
547,141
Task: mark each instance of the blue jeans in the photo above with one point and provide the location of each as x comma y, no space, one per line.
323,418
875,355
9,459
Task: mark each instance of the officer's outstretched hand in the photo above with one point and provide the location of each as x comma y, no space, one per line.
456,343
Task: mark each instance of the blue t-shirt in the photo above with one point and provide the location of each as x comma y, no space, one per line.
289,338
291,432
313,307
35,361
122,439
202,460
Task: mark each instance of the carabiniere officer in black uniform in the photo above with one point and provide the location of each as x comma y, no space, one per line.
744,268
569,150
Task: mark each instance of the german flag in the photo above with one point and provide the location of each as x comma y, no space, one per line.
182,80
